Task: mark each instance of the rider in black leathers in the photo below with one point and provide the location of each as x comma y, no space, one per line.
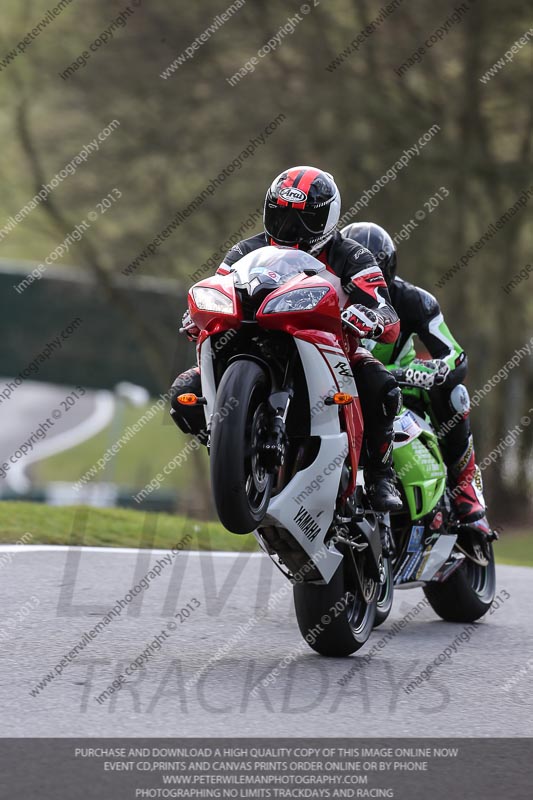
420,315
302,209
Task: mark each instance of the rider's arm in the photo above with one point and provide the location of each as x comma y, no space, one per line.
231,257
365,285
433,331
239,250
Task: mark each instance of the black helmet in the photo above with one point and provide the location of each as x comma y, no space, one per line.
302,208
378,241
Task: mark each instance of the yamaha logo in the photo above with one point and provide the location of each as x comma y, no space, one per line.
293,195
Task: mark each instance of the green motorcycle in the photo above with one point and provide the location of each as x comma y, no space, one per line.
427,547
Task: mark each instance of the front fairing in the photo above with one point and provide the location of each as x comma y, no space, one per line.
212,322
325,316
259,276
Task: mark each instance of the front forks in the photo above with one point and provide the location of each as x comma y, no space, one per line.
273,448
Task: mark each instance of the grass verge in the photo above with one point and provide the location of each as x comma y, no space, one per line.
515,547
118,527
112,527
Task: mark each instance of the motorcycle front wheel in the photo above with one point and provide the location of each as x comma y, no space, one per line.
241,486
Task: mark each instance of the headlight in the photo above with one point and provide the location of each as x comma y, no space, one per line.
212,300
296,300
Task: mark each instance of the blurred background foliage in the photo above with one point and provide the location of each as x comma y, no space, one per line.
355,121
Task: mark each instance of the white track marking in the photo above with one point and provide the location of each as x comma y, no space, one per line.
63,548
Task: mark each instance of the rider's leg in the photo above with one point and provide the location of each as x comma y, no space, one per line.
380,402
451,409
189,419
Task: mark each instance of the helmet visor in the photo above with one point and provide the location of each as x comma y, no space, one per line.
291,226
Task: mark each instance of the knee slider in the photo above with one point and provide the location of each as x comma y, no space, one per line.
392,402
188,381
174,405
181,420
460,400
189,419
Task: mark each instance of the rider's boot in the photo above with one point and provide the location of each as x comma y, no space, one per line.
379,473
466,487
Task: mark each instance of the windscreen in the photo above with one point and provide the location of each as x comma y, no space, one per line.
278,264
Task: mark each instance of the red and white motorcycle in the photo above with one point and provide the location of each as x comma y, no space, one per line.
285,438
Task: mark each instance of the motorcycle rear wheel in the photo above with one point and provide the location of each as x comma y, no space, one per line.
468,593
386,595
327,630
241,486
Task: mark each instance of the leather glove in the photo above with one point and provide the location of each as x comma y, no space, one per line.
423,374
362,321
188,327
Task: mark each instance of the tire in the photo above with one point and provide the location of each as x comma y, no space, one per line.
344,633
241,487
386,595
467,594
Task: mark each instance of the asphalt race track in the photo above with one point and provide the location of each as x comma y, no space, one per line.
216,596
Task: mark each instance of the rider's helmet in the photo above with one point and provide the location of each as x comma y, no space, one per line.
377,240
302,208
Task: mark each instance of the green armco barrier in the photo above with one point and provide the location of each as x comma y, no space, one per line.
62,328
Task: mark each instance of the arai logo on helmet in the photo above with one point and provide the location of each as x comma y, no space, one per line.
292,195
